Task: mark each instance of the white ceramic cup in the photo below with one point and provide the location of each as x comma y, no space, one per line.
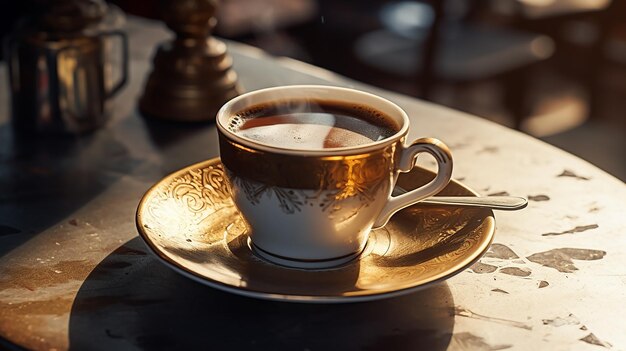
315,208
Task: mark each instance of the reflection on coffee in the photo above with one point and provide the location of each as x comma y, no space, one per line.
312,124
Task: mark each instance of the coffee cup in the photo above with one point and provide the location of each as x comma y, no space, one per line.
312,168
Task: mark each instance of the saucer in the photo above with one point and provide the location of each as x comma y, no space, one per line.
191,224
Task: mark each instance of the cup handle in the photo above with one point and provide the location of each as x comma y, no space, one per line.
441,153
117,86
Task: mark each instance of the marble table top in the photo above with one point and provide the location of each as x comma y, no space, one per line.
74,274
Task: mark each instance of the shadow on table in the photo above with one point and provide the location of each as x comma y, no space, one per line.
165,133
181,144
130,300
53,176
44,179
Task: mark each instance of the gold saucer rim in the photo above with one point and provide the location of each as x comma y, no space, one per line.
363,295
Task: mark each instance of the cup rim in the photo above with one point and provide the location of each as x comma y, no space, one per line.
349,150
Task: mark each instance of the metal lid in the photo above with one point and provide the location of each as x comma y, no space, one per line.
70,15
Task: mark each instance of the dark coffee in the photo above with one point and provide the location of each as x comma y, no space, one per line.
312,124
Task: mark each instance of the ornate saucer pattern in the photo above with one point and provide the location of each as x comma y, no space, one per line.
190,223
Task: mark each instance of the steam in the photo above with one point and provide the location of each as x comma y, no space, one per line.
308,124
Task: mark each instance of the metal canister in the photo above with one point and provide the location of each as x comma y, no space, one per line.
60,67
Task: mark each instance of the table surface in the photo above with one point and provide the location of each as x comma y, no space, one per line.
74,274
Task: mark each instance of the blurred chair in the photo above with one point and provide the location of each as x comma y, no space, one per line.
583,31
434,43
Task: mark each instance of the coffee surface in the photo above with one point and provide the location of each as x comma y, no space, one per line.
312,125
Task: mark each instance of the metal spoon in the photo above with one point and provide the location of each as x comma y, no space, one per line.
506,203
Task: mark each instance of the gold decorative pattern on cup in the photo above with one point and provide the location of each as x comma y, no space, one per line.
300,181
351,173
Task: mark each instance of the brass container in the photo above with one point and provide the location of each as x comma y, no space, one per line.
192,76
59,67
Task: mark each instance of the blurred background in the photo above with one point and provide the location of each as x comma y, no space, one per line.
555,69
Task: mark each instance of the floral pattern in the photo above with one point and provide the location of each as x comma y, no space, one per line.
358,179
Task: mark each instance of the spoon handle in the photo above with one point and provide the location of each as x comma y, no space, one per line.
508,203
